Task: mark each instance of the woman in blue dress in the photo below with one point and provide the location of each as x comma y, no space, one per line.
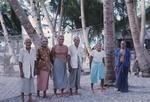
97,67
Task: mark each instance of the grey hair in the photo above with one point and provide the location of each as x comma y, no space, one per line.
76,37
27,40
59,36
44,38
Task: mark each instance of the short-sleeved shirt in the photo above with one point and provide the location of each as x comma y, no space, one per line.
98,56
76,56
28,60
43,56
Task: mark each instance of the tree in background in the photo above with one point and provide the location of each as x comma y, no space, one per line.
84,30
22,16
142,59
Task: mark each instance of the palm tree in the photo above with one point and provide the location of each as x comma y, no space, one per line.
143,18
61,16
11,55
85,32
25,22
72,15
109,41
49,21
35,13
142,59
9,26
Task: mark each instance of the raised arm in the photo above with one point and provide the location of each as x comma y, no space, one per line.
52,55
20,64
69,59
91,59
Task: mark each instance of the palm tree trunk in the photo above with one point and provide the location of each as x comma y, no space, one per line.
5,33
49,21
11,55
85,33
36,21
143,62
143,18
25,22
109,41
55,19
142,34
61,16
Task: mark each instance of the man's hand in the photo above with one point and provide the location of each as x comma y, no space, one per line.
30,76
70,68
129,71
21,70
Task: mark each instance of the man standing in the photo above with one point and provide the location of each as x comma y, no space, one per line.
75,64
59,55
43,67
122,67
27,59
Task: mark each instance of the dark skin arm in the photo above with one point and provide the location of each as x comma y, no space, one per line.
50,62
91,59
21,70
129,55
129,70
35,68
36,63
52,55
69,63
104,60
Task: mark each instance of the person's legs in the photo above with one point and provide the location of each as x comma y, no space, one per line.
92,87
30,97
77,81
31,89
44,94
125,80
118,82
55,91
102,84
62,92
38,84
71,80
70,91
76,91
22,97
38,93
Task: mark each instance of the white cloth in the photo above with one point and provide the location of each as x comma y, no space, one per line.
27,86
77,55
27,59
98,56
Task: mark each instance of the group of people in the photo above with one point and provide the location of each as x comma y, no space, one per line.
45,62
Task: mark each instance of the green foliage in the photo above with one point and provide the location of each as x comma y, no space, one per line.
11,21
15,22
93,13
121,17
148,15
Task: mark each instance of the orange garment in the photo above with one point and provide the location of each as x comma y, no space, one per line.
43,58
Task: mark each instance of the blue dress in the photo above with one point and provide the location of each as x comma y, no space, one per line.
97,72
122,69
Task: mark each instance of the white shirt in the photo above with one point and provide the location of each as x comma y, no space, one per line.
98,56
27,59
75,52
